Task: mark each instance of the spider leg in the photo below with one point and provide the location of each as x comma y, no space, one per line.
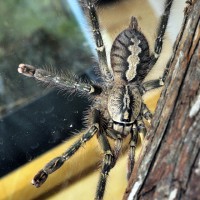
107,165
161,32
131,155
152,84
158,47
146,113
118,141
117,148
138,128
57,162
53,79
162,27
99,41
141,126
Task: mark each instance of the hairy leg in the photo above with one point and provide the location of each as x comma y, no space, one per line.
101,51
107,165
57,162
65,82
131,155
161,32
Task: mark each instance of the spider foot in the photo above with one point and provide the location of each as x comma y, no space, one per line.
42,175
39,178
26,70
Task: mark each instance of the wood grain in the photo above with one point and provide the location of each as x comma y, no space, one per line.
169,165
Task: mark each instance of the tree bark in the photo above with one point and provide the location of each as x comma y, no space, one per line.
169,165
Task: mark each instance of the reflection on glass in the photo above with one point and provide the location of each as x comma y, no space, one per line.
34,119
42,33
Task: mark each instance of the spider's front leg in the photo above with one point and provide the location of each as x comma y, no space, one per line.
100,47
57,162
65,82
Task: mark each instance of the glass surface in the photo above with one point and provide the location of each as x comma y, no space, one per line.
33,118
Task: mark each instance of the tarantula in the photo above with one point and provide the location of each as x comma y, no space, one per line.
117,107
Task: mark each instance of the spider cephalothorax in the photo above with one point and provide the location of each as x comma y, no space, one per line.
117,108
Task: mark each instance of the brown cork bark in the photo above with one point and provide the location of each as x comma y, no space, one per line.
169,165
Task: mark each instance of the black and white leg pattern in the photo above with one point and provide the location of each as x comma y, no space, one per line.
63,82
162,28
57,162
146,113
118,141
152,84
149,85
107,165
101,51
131,154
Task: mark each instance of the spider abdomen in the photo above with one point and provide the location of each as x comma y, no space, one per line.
129,53
124,105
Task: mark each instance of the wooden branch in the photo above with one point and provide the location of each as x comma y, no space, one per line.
169,165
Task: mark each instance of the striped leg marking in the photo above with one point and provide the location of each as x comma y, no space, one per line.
99,42
131,155
55,80
107,165
57,162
